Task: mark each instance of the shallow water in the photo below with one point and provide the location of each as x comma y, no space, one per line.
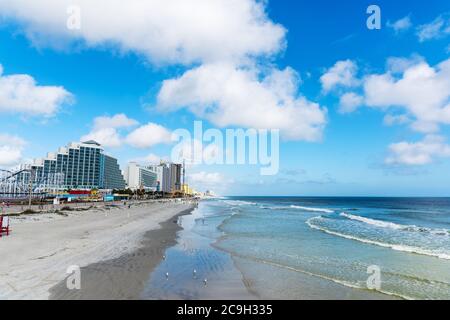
175,278
303,248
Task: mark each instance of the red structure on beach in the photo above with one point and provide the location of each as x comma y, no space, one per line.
80,192
4,225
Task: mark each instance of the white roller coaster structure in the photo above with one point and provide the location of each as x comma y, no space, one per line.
16,184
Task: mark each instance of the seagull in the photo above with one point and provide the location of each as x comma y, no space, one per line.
205,281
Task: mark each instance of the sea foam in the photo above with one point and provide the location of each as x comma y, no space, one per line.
397,247
395,226
312,209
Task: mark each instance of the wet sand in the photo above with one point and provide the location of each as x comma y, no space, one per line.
193,251
123,278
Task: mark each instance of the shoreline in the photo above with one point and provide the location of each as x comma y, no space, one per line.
193,251
125,277
124,254
42,247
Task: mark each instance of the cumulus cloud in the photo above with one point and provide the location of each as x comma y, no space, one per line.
215,181
411,92
107,137
168,31
19,93
349,102
206,178
150,158
436,29
418,153
228,95
106,130
194,152
114,131
231,37
116,121
209,181
398,65
149,135
393,119
342,74
11,148
410,86
400,25
421,90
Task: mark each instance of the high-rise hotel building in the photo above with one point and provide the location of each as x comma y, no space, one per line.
168,177
140,178
112,177
80,165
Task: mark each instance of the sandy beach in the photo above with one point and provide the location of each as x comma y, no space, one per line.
41,248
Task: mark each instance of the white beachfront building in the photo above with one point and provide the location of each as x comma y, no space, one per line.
139,177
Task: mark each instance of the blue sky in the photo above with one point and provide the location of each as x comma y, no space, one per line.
107,71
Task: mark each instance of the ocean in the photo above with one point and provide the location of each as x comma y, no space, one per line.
310,248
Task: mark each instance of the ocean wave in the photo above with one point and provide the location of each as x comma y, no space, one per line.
377,223
235,210
238,202
397,247
282,208
265,207
395,226
312,209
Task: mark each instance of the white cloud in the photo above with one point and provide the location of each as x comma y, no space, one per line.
228,95
116,121
215,181
153,158
412,92
342,74
437,29
349,102
11,148
400,25
206,178
10,155
172,31
227,36
149,135
195,152
107,137
112,132
422,90
418,153
392,119
150,159
10,139
401,64
106,130
20,93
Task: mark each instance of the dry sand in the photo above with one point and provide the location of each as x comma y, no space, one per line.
41,248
